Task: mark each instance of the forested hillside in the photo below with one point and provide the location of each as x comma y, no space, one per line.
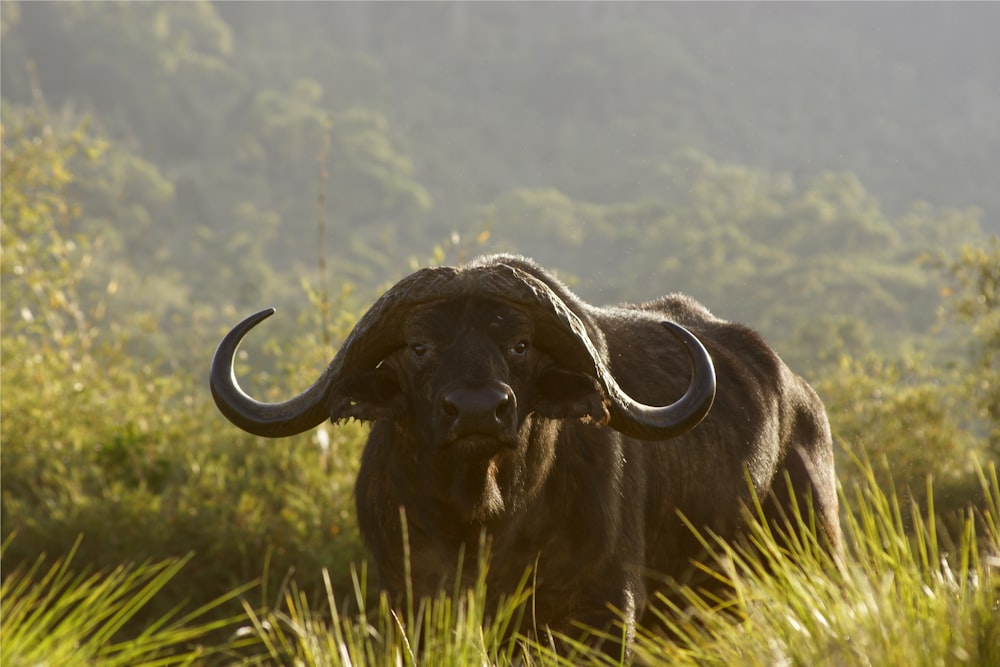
688,147
825,173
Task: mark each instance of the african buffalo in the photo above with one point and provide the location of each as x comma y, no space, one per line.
502,403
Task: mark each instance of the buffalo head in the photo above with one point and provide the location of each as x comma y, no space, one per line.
464,356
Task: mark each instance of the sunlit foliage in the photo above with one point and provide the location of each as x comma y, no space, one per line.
168,167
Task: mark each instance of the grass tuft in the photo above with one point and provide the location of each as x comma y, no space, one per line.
457,629
55,616
899,597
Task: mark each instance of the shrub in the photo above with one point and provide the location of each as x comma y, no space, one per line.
108,443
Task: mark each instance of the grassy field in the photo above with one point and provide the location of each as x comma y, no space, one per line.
910,591
102,436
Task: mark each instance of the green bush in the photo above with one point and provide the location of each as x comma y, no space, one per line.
912,419
129,453
142,467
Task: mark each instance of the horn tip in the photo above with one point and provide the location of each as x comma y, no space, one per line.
261,315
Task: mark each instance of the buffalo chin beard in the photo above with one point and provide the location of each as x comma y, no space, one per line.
477,447
475,491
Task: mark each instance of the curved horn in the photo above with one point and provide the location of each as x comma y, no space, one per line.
626,414
377,333
658,423
272,420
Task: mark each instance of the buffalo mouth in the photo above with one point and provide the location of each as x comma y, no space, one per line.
477,422
477,446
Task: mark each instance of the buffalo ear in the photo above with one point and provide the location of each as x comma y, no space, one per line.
368,396
562,394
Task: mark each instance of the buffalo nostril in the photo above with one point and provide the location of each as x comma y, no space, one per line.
503,407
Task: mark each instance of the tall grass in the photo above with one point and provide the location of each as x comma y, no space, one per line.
906,592
55,616
451,630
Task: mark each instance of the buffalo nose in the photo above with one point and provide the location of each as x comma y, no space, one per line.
483,410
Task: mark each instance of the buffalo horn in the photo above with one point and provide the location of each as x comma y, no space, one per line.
378,333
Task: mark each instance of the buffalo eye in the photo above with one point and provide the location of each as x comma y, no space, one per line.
519,349
418,349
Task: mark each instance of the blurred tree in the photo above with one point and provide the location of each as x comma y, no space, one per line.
836,215
817,345
212,178
918,418
52,335
44,259
370,186
372,179
911,418
159,74
975,301
758,247
548,217
99,441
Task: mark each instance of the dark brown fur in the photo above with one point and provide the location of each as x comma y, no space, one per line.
504,407
594,513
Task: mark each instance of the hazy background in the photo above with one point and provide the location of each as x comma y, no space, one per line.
636,147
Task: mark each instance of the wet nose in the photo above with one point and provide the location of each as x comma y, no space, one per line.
484,410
